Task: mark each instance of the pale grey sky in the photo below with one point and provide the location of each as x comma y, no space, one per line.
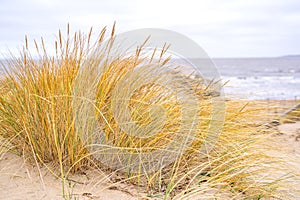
232,28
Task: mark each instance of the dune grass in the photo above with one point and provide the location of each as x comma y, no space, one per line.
291,115
41,103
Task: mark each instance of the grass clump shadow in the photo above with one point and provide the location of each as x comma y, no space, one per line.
51,115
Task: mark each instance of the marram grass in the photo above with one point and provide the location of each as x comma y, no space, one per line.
38,117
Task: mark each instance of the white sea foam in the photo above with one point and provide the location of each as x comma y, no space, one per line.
261,78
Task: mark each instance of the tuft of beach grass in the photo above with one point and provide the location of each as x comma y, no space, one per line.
40,119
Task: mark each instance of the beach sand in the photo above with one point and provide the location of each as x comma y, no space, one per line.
287,139
20,180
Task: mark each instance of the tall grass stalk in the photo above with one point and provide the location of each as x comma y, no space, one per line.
37,115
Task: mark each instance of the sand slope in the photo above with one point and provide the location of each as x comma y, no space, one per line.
22,181
19,180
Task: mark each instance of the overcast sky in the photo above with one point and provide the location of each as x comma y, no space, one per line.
232,28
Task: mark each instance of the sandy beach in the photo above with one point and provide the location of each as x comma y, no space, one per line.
149,100
21,180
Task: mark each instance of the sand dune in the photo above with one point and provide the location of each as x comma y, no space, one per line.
19,180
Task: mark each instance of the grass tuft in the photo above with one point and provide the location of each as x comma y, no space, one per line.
45,112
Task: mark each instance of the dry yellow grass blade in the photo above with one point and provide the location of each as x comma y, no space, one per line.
43,100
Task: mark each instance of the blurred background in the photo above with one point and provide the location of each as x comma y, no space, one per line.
257,28
266,32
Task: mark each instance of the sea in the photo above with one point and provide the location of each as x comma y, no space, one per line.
261,78
276,78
